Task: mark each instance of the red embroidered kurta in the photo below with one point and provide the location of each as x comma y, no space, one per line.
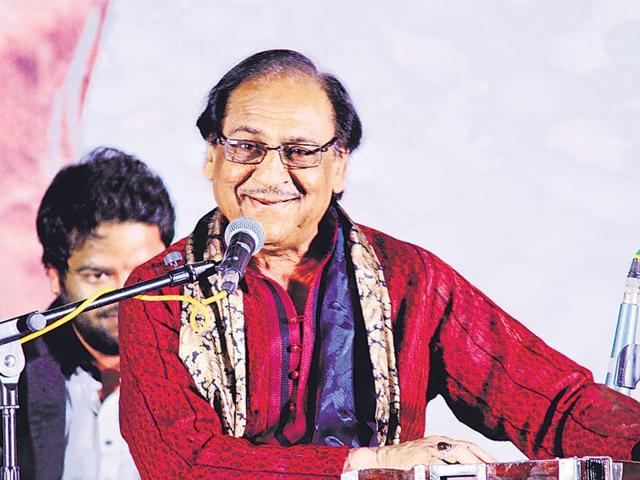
451,340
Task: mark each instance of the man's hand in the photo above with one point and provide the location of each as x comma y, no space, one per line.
432,450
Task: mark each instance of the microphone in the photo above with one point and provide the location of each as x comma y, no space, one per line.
625,336
244,238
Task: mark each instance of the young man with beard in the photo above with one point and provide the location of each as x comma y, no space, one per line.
98,220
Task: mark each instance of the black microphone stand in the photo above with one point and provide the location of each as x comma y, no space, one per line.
12,359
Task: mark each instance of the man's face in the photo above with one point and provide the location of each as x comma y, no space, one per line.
104,260
289,203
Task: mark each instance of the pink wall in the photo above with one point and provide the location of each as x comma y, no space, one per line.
39,108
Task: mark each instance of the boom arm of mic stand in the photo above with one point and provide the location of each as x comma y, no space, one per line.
14,328
12,359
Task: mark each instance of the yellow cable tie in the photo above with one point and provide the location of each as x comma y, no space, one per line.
198,307
69,316
216,298
209,321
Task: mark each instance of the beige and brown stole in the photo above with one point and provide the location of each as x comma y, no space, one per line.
217,357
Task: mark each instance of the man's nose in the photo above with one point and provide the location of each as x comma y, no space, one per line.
271,171
120,277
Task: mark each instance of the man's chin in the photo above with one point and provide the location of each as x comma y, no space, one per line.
103,346
278,226
106,347
99,340
281,236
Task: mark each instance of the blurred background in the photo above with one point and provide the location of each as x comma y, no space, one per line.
502,136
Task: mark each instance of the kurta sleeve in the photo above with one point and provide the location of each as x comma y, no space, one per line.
171,430
501,379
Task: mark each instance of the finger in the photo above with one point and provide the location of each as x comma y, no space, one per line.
434,439
481,454
461,454
475,450
408,463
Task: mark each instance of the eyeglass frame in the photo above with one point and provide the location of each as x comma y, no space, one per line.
223,141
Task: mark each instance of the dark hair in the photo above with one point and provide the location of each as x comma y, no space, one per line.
270,62
106,185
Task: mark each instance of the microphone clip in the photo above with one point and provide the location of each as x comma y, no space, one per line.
628,373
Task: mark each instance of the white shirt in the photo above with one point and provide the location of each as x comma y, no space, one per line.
95,448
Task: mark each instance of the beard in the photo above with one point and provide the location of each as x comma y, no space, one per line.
99,328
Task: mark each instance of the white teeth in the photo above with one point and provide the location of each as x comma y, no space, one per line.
271,202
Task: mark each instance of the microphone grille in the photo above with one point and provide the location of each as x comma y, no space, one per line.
249,226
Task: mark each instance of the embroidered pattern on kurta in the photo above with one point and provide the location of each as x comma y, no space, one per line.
216,358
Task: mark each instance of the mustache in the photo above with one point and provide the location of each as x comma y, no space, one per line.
107,312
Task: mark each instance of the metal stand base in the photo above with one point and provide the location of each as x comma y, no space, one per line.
11,366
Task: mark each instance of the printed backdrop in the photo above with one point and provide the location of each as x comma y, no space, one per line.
500,135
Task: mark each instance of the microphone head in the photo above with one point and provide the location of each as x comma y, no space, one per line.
250,227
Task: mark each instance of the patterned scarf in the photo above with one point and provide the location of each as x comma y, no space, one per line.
217,358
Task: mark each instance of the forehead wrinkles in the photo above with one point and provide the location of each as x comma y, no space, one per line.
299,103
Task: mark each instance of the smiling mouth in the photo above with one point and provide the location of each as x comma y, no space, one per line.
271,201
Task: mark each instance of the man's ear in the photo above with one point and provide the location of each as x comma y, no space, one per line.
55,280
340,171
208,168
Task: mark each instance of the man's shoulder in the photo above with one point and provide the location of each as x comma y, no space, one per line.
49,348
390,247
36,349
39,357
58,351
402,255
42,379
156,265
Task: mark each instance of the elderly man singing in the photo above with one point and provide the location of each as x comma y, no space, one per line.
324,359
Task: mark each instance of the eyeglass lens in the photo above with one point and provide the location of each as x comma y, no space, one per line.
292,155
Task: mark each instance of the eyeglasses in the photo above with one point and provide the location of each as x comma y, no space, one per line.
293,155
